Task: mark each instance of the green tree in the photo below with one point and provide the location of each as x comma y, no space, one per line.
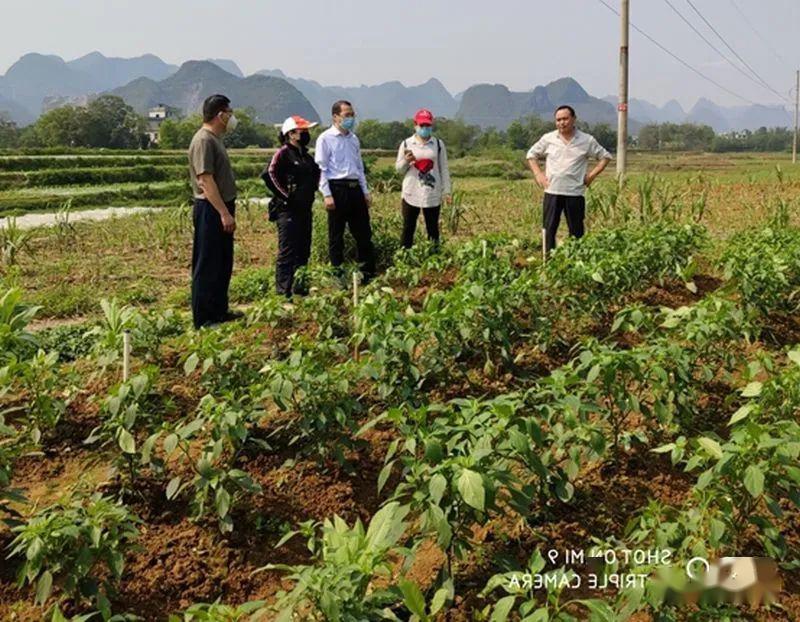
61,127
106,122
109,122
383,135
177,133
249,132
517,136
9,134
457,135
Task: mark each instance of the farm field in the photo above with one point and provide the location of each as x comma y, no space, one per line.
410,455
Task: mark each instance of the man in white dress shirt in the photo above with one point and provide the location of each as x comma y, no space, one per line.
344,187
567,151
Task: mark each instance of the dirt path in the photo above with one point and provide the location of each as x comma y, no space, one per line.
48,219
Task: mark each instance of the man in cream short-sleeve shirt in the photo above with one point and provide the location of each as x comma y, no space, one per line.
567,151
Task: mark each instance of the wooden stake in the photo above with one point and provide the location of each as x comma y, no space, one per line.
544,245
126,355
356,353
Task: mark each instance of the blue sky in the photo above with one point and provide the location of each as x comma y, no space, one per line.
520,43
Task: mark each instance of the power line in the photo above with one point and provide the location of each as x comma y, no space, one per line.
764,40
735,53
679,59
711,45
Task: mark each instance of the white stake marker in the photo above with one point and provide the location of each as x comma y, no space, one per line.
544,245
355,304
126,355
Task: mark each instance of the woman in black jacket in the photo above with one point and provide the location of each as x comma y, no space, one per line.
293,177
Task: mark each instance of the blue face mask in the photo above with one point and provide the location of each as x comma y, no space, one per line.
424,131
348,123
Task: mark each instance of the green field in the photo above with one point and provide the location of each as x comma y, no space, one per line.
474,410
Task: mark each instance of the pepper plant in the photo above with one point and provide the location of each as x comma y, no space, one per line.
79,543
457,467
350,563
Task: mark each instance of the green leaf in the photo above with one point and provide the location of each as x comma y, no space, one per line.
663,449
596,276
126,441
741,413
386,471
705,479
752,390
223,502
190,364
717,530
794,356
439,600
170,443
600,611
437,487
502,608
470,486
754,480
43,587
540,615
172,487
711,446
413,598
794,473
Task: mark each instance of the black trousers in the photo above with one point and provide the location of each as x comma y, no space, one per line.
294,248
574,209
351,211
212,264
410,217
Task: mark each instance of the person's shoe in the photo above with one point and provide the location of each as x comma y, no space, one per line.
232,316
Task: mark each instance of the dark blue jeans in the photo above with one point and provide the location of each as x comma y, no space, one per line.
212,264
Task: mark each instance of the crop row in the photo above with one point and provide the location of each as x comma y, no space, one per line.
134,172
451,464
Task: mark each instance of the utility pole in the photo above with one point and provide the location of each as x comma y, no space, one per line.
796,114
622,107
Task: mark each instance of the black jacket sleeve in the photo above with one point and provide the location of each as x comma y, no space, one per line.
274,175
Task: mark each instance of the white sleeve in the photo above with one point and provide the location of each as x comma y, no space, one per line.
400,165
597,150
538,151
321,158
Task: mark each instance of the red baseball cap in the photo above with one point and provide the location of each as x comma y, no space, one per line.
423,117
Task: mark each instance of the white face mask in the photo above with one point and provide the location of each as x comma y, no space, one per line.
232,123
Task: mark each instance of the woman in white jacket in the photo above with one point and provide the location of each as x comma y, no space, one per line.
422,158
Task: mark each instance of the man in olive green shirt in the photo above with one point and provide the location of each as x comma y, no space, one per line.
214,190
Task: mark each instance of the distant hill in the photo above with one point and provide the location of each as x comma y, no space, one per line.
39,82
390,101
645,112
272,99
36,76
724,119
494,105
227,65
109,73
11,110
721,118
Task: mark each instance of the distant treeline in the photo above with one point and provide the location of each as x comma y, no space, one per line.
108,122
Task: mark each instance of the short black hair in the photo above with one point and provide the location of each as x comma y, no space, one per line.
566,107
337,106
213,105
